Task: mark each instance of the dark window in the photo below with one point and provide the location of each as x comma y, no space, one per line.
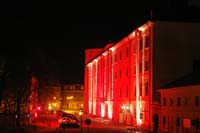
140,44
178,101
140,89
196,100
185,101
140,68
171,101
164,120
120,91
146,42
164,101
146,88
146,65
126,71
126,91
120,55
126,52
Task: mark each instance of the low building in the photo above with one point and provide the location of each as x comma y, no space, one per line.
180,105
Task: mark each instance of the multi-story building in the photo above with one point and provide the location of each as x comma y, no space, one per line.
180,104
122,79
72,98
49,98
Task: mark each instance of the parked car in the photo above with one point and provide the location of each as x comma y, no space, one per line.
66,120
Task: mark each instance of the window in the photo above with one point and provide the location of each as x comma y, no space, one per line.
140,89
164,120
120,55
126,52
126,71
164,101
127,91
140,68
146,42
134,49
178,101
171,101
140,44
196,100
185,101
146,65
120,91
146,88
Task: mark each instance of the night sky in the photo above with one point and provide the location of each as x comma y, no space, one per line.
49,37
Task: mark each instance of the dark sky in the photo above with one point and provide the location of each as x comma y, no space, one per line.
50,36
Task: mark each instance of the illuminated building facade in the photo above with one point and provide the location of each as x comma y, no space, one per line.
49,97
72,98
122,79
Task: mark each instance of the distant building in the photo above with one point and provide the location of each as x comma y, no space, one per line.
122,79
72,98
49,97
180,104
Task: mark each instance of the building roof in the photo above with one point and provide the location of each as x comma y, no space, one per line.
187,80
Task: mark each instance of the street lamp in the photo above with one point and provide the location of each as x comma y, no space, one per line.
81,114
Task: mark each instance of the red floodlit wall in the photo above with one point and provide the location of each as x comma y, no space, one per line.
115,80
121,80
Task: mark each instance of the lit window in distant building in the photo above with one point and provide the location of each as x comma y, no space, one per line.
54,98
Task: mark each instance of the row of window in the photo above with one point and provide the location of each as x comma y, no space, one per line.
181,102
146,90
146,68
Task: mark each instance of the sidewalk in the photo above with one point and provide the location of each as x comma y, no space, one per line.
121,126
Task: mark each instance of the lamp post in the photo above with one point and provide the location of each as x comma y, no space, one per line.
81,114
